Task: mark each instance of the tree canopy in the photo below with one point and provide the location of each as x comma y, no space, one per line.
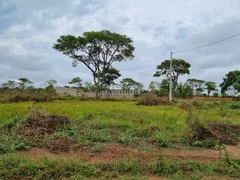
154,86
231,80
210,86
111,75
197,86
50,84
130,84
9,84
179,67
77,82
184,90
97,50
23,82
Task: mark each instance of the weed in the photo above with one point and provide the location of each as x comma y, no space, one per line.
126,140
223,111
131,166
66,132
96,148
208,143
162,140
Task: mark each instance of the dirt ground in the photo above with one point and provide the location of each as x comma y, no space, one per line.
116,152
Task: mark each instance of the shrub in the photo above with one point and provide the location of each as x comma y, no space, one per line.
152,100
235,106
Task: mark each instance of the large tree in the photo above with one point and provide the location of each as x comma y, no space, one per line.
179,67
231,81
97,51
197,86
77,82
210,86
24,82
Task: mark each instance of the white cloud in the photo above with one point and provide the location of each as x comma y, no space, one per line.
157,27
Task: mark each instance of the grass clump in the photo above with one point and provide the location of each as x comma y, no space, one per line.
10,141
235,106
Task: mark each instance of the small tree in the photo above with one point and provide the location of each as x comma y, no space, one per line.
210,86
88,86
130,84
197,86
77,81
50,84
24,82
164,87
179,67
154,86
97,51
184,90
11,84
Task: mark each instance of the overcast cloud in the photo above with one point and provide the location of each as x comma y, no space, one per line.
28,29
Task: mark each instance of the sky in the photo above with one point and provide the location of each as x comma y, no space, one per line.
29,28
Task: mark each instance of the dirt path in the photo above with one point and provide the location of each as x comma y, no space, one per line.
115,152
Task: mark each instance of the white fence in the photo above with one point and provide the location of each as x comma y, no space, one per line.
63,91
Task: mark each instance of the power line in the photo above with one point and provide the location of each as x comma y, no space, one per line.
187,50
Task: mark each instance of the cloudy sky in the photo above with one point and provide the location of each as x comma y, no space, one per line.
28,29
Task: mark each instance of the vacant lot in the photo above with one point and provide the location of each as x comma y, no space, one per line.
119,140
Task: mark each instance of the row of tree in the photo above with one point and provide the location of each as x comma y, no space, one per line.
192,87
25,83
99,50
126,84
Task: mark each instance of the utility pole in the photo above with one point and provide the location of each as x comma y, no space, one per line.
171,83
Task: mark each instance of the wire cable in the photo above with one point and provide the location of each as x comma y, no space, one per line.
187,50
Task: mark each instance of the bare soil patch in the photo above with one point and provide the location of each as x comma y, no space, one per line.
59,145
117,152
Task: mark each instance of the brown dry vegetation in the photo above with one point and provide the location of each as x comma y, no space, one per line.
152,100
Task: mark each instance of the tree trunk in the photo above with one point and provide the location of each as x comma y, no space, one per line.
98,82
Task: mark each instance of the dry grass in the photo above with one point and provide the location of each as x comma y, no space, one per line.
152,100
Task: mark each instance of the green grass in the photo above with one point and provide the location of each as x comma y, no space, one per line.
16,167
99,118
118,113
117,122
94,123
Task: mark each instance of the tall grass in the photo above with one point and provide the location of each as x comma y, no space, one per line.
115,113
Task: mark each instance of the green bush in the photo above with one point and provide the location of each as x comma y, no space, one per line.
235,106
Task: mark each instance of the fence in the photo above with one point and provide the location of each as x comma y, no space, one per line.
200,98
62,91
